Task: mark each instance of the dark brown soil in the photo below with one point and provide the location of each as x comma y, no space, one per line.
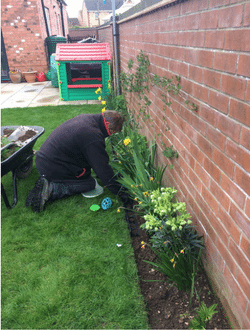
8,131
29,134
13,148
167,306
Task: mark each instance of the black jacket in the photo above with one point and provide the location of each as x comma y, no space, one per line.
75,147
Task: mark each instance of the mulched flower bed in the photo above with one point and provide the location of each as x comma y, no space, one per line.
167,306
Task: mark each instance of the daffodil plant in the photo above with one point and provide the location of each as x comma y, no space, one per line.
99,91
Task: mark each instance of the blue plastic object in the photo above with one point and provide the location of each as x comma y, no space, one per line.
106,203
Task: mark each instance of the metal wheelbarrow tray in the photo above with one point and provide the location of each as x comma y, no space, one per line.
20,162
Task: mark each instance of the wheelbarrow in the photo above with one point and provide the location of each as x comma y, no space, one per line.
20,163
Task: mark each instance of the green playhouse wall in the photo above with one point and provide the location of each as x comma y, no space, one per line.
76,94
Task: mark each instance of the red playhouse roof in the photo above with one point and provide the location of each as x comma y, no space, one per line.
83,52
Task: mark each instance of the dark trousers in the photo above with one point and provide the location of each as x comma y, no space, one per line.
64,184
71,187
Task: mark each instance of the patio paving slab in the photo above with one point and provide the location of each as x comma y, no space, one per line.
34,94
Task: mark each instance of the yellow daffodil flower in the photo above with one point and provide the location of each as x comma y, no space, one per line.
126,142
103,109
172,260
118,211
182,251
99,98
104,102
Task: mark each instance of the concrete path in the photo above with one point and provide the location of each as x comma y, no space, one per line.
32,95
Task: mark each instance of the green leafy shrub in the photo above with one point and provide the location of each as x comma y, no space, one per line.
174,214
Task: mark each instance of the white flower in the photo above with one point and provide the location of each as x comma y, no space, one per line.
119,245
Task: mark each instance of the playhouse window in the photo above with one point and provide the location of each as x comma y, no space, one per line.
86,70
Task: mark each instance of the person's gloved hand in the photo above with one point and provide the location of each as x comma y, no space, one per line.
125,198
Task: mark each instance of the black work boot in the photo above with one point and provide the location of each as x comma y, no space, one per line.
40,194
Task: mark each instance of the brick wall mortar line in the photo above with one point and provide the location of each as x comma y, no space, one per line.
192,47
240,239
246,306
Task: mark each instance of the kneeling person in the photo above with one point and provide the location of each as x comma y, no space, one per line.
66,158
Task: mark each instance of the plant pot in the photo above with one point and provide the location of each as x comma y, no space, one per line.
30,77
16,77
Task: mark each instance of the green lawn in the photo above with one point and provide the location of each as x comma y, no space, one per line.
62,268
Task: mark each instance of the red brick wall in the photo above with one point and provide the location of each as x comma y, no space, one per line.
24,32
105,34
207,43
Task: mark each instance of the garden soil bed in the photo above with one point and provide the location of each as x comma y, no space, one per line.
167,307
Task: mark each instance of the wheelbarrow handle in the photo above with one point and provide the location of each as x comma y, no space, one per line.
14,192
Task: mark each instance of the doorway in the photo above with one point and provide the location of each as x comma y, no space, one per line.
4,62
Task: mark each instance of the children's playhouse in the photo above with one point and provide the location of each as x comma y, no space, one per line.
82,69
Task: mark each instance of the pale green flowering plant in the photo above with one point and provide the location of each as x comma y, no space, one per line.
174,214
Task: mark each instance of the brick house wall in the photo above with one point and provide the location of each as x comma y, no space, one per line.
24,31
83,16
88,18
105,34
206,43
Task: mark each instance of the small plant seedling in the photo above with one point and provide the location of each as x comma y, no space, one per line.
204,315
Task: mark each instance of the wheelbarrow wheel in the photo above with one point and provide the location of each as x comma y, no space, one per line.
24,170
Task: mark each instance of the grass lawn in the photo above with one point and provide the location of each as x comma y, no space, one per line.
62,268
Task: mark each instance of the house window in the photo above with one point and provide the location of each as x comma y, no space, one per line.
96,15
48,19
57,26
